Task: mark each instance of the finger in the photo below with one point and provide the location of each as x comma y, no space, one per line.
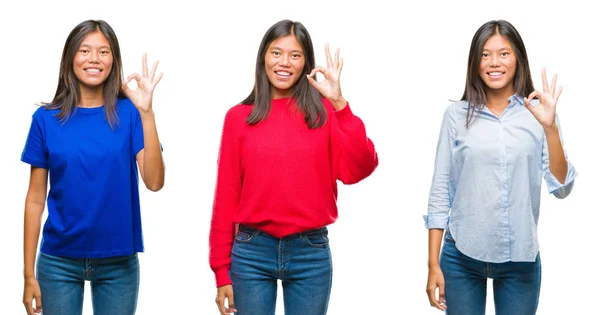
534,94
431,296
558,94
553,86
311,77
157,80
328,55
544,80
125,87
145,65
134,76
221,304
311,81
442,296
313,73
230,303
341,65
337,58
28,307
38,302
153,71
317,69
526,103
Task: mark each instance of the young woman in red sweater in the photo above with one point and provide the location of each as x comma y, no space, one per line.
282,151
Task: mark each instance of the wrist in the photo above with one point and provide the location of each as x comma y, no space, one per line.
551,129
433,264
338,103
147,113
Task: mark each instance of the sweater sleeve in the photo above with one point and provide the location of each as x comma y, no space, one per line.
226,199
353,151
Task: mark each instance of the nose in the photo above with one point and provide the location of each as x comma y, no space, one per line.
284,60
93,57
494,61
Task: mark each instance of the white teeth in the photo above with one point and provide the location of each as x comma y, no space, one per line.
93,70
495,73
283,73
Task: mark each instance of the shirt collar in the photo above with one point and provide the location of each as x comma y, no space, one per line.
514,100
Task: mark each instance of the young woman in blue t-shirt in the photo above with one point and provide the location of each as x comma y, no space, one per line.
89,142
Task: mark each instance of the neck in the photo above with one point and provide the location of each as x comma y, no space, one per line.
498,99
91,97
277,93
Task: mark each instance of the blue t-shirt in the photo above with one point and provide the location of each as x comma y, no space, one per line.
93,202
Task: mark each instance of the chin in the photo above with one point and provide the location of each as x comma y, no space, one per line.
496,85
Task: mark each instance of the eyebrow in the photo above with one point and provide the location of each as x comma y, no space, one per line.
87,45
502,48
295,50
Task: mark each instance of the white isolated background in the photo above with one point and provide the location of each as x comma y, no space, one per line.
402,63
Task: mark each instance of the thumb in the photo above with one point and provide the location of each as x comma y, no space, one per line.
125,88
442,294
312,81
38,303
526,102
230,302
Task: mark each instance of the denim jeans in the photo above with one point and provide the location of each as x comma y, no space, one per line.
516,284
301,261
114,282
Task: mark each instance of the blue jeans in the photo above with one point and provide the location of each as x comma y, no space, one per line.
301,261
114,282
516,284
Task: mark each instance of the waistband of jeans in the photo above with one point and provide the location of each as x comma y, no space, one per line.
249,229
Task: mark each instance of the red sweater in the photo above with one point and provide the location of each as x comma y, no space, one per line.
279,175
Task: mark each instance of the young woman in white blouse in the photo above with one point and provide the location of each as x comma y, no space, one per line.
494,148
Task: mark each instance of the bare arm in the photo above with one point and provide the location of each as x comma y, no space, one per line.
149,159
545,114
435,279
435,243
556,156
34,208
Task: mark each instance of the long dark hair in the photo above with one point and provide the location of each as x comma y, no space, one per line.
307,97
474,92
68,93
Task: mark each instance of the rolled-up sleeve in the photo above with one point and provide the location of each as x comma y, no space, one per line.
554,186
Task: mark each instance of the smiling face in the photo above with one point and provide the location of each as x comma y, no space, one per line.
284,62
93,61
498,64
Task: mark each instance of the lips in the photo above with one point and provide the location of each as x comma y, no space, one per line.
495,74
92,70
283,73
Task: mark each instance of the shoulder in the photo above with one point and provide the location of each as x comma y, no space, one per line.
457,106
456,109
43,113
238,113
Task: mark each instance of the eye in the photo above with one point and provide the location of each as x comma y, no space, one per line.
84,51
276,53
104,52
504,54
485,55
296,56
